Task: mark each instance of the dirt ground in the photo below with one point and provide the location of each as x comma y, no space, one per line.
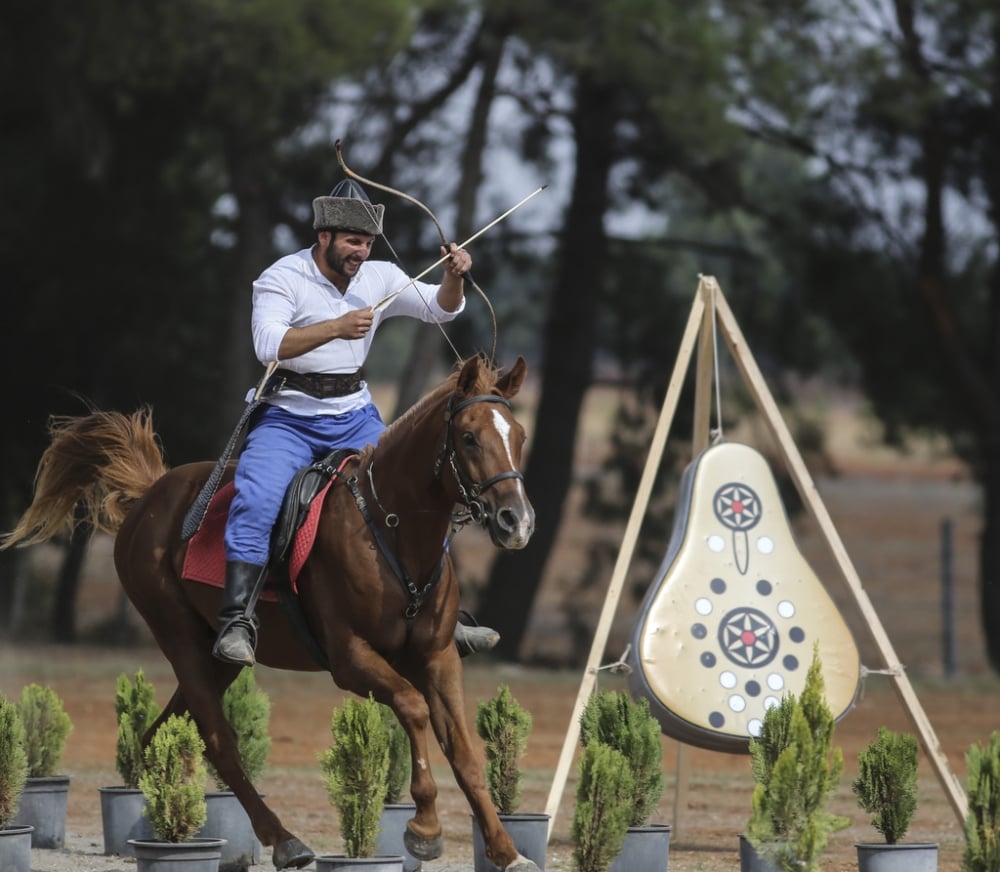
889,511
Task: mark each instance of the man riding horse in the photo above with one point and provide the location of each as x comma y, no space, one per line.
315,313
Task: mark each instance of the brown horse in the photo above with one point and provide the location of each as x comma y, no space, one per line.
382,613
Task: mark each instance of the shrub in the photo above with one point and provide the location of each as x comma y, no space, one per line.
400,764
982,823
796,769
46,726
504,725
886,786
356,768
173,780
13,760
603,807
626,725
248,711
136,711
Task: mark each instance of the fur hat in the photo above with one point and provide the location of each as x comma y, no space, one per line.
348,208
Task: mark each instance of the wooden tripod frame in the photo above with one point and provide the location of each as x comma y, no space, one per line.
708,313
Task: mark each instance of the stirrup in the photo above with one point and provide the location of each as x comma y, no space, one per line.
237,642
474,640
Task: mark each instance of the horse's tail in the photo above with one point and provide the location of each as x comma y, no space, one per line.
103,462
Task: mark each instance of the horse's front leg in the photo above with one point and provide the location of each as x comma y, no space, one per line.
364,671
446,697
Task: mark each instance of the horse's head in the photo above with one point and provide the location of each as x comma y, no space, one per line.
483,452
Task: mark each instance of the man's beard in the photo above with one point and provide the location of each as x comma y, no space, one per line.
338,264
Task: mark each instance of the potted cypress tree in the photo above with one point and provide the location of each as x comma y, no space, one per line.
796,768
603,807
396,813
173,783
886,788
355,770
15,840
627,725
248,710
46,791
982,823
122,806
504,726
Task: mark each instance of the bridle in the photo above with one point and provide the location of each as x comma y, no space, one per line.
469,491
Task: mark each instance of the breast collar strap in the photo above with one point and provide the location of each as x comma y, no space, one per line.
414,594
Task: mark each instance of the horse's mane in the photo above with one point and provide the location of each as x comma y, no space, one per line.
398,430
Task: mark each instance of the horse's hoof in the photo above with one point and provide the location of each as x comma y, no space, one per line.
292,854
422,849
521,864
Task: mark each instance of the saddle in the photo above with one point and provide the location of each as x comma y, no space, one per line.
307,484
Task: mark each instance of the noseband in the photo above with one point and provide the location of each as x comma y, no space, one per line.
469,491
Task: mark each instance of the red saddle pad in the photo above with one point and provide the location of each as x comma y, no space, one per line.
205,560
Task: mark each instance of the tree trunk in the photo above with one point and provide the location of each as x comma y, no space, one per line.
989,566
569,332
254,253
989,560
427,341
13,591
64,607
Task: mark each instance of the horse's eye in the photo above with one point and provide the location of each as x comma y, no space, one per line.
469,439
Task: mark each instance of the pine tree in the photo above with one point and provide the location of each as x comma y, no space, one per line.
603,807
13,760
796,768
136,711
627,725
504,725
886,786
982,824
46,728
356,769
173,780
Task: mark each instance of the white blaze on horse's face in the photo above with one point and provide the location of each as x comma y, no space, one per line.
503,428
526,524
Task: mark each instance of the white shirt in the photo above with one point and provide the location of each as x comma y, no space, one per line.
293,292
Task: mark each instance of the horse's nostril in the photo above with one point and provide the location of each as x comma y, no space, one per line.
507,519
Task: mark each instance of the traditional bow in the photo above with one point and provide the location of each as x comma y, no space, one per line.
430,214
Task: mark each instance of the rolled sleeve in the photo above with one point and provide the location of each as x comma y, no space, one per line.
273,311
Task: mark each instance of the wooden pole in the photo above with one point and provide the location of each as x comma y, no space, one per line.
624,558
705,377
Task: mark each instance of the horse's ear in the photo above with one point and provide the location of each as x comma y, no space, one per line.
468,378
510,382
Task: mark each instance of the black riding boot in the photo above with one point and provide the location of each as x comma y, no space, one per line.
470,638
474,640
238,637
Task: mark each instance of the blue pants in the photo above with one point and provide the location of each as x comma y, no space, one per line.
278,445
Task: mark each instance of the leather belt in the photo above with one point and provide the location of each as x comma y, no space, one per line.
320,385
